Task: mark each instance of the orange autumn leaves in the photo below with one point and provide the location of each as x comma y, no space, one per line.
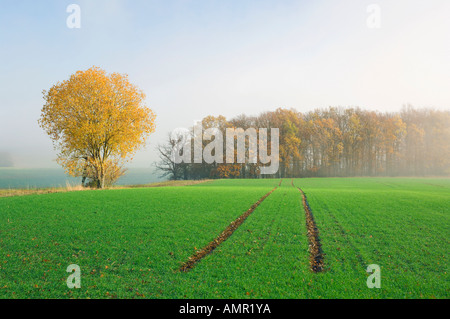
96,121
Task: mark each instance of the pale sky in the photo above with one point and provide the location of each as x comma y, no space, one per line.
219,57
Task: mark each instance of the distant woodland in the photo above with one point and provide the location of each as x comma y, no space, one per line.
334,142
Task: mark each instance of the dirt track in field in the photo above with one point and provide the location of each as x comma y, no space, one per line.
194,259
315,247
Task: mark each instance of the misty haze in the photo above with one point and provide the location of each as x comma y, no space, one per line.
239,150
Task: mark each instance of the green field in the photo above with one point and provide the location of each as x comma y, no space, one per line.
130,243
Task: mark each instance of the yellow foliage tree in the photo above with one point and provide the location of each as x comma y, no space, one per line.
97,121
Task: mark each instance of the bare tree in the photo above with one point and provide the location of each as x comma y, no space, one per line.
167,164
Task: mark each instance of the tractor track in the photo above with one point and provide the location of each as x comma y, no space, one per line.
315,247
200,254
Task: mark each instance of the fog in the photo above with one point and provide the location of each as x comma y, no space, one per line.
194,59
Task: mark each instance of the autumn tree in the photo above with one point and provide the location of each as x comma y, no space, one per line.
97,121
339,141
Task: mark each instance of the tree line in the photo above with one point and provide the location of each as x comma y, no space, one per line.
331,142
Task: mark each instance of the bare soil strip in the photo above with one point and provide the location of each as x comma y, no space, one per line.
194,259
315,248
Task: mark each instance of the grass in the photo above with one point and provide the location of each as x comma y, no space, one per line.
130,242
71,187
10,192
267,257
400,224
167,184
39,178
